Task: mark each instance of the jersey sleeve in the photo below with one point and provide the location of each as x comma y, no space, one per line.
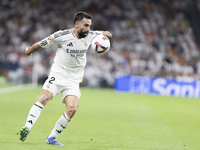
95,33
51,40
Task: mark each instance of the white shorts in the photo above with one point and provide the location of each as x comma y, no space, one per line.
57,83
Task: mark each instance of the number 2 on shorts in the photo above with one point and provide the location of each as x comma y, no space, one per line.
52,79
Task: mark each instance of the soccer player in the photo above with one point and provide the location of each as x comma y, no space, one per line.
66,72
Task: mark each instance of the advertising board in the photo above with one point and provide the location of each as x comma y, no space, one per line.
159,86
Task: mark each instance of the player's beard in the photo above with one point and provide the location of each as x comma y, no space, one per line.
82,34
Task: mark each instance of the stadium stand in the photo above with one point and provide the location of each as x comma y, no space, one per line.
150,38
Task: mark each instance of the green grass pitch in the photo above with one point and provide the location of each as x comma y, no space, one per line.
105,120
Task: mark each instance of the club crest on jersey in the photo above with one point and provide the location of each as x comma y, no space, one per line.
85,44
48,86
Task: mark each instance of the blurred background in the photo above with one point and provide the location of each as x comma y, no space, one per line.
154,38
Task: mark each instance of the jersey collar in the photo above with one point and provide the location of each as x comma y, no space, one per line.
73,33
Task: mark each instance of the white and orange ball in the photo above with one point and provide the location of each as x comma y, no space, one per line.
100,44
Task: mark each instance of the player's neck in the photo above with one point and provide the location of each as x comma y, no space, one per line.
75,33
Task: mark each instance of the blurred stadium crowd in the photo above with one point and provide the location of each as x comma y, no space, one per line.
150,38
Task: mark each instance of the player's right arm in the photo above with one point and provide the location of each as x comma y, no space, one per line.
30,49
45,43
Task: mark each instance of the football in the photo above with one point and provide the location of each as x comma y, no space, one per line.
100,44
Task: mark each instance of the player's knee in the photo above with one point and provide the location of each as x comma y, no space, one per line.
72,108
44,98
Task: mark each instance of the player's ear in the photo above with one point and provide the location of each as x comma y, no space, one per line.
76,24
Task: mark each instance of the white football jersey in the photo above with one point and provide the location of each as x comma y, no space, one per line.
70,59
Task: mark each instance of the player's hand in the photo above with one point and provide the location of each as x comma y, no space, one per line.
27,51
107,33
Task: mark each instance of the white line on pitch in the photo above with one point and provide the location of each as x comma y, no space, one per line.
16,88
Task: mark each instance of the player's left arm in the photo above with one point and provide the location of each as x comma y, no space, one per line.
107,33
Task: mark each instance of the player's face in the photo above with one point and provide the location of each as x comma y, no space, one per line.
84,27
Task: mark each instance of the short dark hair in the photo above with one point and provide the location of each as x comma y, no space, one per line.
80,15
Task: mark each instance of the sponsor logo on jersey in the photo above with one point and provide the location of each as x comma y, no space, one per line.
61,33
70,44
43,43
66,32
94,33
76,52
56,35
91,32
